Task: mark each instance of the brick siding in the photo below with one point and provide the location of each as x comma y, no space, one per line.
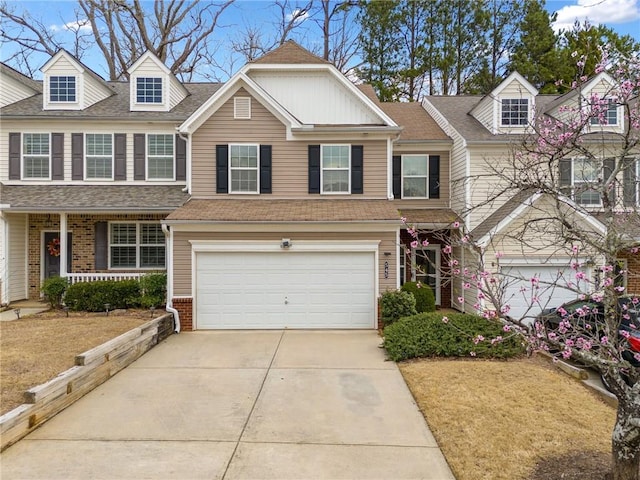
633,272
184,306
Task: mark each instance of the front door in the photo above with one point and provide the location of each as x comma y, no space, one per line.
52,254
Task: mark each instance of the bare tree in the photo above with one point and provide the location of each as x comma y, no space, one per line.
176,31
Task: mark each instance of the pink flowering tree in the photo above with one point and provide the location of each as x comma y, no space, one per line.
570,189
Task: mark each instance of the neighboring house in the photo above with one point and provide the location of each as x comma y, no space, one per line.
484,130
273,200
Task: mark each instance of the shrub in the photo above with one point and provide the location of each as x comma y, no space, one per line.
427,335
92,296
154,290
395,304
425,299
53,289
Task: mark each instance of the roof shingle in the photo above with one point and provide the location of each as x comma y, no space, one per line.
416,122
290,52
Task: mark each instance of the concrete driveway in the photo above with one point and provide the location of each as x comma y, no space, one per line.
241,405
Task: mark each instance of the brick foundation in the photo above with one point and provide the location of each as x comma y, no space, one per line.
633,272
184,306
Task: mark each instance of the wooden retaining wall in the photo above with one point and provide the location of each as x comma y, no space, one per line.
92,368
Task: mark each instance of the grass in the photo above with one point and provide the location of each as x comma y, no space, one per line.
501,419
36,348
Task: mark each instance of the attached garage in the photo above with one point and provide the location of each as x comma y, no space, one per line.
302,286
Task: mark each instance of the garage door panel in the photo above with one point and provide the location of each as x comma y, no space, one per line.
285,289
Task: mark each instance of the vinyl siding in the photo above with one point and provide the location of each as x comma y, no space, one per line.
289,158
17,261
94,92
484,112
69,127
12,91
182,251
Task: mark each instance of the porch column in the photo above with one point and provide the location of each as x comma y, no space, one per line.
63,244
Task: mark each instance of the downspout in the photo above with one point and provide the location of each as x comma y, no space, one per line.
169,308
187,138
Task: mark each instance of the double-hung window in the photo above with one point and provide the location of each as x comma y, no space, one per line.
243,168
136,245
148,90
335,168
585,174
415,176
62,89
515,112
99,156
605,114
160,158
36,157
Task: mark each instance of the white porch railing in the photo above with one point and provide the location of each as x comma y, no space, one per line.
94,277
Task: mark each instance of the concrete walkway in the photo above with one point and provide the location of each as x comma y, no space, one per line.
241,405
24,307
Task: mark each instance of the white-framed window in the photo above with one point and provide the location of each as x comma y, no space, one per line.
62,89
608,116
139,245
335,168
244,162
148,90
36,156
515,112
98,156
584,176
242,108
160,159
415,176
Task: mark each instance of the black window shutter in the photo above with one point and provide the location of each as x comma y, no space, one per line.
14,156
181,158
139,156
434,176
565,176
314,168
57,156
397,176
101,245
357,157
222,168
609,167
265,168
630,190
120,156
77,156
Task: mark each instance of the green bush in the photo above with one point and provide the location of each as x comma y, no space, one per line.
53,289
425,299
427,335
154,290
395,304
92,296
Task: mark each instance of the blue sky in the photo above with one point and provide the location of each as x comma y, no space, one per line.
621,15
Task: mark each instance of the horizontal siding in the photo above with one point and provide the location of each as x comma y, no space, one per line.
176,93
484,112
93,91
12,91
182,251
17,261
289,158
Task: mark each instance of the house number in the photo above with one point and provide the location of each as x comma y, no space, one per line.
386,269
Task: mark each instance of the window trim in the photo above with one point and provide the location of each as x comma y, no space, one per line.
438,277
75,87
22,157
402,176
85,157
145,102
148,156
138,245
231,168
512,99
573,184
322,169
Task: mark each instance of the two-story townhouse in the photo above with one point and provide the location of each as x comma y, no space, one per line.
89,169
294,176
485,131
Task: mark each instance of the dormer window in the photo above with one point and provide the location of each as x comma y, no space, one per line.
62,89
605,115
149,90
515,112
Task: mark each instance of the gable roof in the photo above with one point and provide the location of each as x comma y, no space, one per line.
574,92
416,122
78,64
20,77
290,52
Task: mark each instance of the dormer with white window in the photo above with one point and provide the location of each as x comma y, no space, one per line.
70,85
153,88
509,107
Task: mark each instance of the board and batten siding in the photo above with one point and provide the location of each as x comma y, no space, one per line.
289,158
67,127
17,252
182,251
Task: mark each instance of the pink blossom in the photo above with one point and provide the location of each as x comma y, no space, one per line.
581,276
619,289
506,328
473,354
403,219
456,224
460,300
445,319
498,339
499,254
575,248
425,243
604,340
447,249
566,354
466,285
625,333
414,244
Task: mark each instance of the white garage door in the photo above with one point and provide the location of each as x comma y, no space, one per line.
285,290
519,292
